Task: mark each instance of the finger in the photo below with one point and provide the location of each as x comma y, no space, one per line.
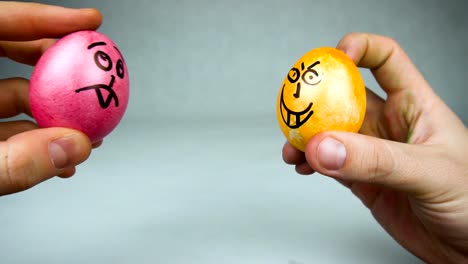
346,184
292,155
304,169
372,124
9,129
390,65
374,102
14,98
366,192
27,52
296,157
97,144
31,21
359,158
34,156
410,97
70,171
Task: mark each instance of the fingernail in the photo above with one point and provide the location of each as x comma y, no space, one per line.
331,154
62,151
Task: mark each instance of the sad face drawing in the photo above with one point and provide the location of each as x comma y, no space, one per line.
104,62
81,82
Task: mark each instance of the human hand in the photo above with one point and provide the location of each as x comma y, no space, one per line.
409,163
29,155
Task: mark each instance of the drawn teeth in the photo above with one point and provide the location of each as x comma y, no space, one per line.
298,118
293,119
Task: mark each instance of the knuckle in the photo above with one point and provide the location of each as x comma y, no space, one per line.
14,171
17,89
26,125
356,34
392,41
378,163
18,84
20,79
395,46
351,35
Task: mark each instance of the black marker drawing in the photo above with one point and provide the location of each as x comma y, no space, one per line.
295,122
95,44
294,75
97,87
120,53
120,69
104,62
297,94
295,119
310,76
120,65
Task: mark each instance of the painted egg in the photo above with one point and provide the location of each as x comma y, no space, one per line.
323,91
80,82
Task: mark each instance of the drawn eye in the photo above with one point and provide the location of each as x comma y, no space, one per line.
293,75
120,69
103,61
311,76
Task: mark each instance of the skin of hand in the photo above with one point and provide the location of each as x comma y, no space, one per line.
408,164
29,155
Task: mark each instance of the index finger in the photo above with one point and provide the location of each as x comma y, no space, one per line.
27,52
31,21
391,66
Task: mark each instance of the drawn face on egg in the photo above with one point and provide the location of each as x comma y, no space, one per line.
115,67
323,91
295,106
80,82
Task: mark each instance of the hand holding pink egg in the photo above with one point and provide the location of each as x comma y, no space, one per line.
80,82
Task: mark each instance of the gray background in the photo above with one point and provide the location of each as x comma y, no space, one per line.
193,174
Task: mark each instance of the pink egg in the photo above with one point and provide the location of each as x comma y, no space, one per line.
80,82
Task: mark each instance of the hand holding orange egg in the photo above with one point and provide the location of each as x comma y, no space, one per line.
323,91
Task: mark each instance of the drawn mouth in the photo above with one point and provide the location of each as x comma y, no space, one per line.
292,118
104,103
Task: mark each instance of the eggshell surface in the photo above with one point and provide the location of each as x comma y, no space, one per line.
80,82
323,91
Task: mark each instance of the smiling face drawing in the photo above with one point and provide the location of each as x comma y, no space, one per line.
322,91
304,78
80,82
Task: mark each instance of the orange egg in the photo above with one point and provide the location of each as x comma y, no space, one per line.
323,91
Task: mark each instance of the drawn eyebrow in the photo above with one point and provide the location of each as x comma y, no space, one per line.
315,63
119,53
96,44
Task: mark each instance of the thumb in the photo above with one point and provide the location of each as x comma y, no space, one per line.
360,158
29,158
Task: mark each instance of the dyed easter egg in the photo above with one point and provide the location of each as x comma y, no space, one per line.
323,91
80,82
